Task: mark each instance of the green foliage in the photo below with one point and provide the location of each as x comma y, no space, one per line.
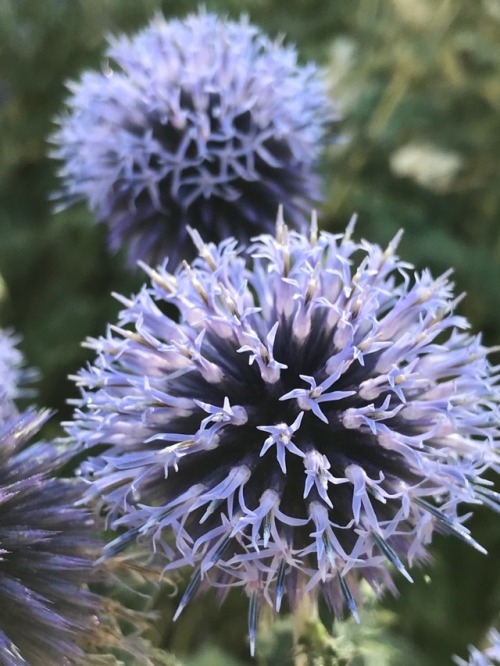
419,84
421,96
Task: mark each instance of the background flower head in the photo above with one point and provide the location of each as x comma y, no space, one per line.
201,121
14,375
292,420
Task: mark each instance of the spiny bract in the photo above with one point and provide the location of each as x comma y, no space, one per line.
201,121
292,420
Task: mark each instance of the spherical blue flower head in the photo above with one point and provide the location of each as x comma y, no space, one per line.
13,373
290,421
490,656
47,552
202,122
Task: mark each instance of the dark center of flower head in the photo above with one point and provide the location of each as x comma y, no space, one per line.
289,431
203,165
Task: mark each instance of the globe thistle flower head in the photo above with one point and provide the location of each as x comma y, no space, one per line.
14,375
47,551
203,122
291,419
489,657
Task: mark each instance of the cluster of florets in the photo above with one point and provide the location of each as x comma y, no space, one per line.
291,418
203,122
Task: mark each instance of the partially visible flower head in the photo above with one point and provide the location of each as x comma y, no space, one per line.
490,656
13,373
292,420
203,122
48,549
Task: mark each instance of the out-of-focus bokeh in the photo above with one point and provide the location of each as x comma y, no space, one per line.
419,86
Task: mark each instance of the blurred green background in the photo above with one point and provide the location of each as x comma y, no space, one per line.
419,86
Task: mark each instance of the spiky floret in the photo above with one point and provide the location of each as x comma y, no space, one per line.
489,657
292,420
200,121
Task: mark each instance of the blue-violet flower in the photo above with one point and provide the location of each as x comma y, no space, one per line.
201,121
14,375
47,550
292,420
